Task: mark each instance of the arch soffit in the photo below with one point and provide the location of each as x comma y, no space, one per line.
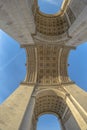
50,91
50,101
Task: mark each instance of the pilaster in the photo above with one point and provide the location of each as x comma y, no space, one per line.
26,123
77,103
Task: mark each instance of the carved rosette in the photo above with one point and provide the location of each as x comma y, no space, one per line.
51,104
47,64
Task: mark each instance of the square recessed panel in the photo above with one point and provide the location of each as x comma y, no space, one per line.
50,6
47,65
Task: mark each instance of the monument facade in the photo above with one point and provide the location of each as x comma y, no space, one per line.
47,87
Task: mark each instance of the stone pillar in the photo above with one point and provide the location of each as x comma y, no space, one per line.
13,109
77,103
34,123
78,30
61,124
26,123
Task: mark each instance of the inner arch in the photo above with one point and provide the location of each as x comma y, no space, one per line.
48,122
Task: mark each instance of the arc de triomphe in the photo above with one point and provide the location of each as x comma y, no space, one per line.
47,87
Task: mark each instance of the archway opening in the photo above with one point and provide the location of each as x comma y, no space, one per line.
48,102
48,122
50,6
12,65
77,68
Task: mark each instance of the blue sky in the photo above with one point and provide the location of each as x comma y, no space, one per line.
48,122
13,69
50,6
78,66
12,65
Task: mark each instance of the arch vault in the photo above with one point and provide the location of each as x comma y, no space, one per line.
48,40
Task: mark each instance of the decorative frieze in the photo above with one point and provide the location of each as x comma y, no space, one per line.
31,65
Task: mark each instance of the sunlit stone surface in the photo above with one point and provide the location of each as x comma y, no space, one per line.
47,87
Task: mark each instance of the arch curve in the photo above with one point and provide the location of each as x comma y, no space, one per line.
51,91
50,100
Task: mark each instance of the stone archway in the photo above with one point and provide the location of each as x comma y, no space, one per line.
53,101
60,101
47,48
49,101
